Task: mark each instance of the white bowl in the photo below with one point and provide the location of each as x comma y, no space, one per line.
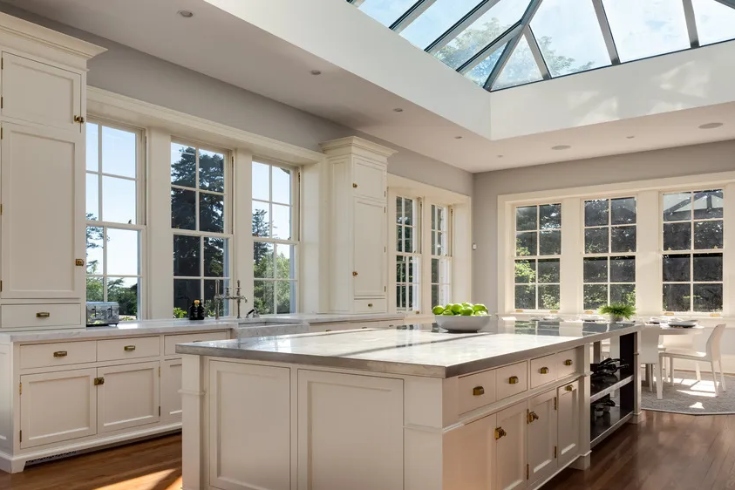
459,323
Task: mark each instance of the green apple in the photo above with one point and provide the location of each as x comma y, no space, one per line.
468,305
467,311
457,308
447,313
438,310
480,307
480,313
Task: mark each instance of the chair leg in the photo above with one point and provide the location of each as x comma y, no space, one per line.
714,377
659,380
699,374
649,376
671,368
722,375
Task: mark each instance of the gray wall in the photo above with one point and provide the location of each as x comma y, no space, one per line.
135,74
673,162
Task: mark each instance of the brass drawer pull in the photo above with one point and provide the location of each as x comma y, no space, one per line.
354,186
532,416
544,370
500,432
569,388
478,391
328,330
99,381
129,348
43,314
513,380
354,273
79,262
60,353
370,305
568,362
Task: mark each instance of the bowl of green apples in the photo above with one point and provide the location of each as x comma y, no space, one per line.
461,317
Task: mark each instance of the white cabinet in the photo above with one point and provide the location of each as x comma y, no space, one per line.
542,437
346,418
57,407
40,93
250,427
510,461
128,396
170,387
42,216
370,253
474,455
568,423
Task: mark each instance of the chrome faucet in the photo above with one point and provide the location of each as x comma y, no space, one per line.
220,297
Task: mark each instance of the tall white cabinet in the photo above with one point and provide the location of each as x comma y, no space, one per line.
358,239
42,230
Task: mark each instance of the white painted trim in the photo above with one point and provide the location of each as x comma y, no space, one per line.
355,145
103,103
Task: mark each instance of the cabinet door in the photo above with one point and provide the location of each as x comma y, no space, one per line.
369,249
370,179
569,423
350,432
43,214
57,407
473,455
542,437
170,386
40,93
510,447
249,427
129,396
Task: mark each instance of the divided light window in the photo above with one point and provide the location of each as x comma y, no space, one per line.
275,238
201,223
609,252
441,259
537,257
113,216
692,251
408,254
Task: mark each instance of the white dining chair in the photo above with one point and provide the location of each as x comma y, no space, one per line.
649,353
711,354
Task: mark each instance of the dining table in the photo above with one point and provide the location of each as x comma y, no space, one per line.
666,329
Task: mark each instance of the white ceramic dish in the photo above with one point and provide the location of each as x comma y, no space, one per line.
462,323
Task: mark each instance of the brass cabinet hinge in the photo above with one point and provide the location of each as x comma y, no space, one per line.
2,63
159,371
555,449
556,404
21,436
1,286
528,472
159,410
2,102
20,388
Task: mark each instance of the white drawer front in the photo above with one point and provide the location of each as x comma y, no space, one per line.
476,390
57,354
567,363
511,380
379,305
543,370
42,315
170,341
135,348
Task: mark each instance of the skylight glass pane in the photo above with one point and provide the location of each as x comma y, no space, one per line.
715,21
521,68
569,36
437,19
480,72
644,28
482,32
386,11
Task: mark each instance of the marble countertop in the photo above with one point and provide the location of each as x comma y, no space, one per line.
316,318
423,351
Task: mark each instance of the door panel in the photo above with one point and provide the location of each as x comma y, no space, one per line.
170,386
568,414
511,448
129,396
369,259
542,437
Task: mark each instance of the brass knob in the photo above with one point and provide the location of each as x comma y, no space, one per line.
99,381
478,391
60,353
79,262
532,416
129,348
500,432
354,186
568,362
43,314
370,305
569,388
354,273
544,370
79,119
513,380
328,330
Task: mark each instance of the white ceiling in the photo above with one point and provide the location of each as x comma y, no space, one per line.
226,48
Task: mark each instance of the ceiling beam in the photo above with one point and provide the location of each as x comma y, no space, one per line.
505,56
411,14
470,18
691,23
729,3
612,50
487,51
536,51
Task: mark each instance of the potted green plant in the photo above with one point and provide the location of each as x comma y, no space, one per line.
618,311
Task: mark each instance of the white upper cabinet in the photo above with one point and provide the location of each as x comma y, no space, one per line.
370,179
370,255
39,93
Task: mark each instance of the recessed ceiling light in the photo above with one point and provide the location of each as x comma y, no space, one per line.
712,125
630,137
500,156
458,137
397,109
187,14
315,72
560,147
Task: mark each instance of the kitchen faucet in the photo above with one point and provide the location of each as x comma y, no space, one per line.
218,297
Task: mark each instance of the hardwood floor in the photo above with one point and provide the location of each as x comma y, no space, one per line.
665,451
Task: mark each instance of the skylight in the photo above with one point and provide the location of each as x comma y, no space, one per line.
505,43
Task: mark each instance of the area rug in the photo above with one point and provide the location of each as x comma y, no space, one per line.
692,397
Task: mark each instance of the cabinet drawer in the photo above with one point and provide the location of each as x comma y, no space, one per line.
543,370
57,354
117,349
567,363
476,390
170,341
511,380
369,179
42,315
378,305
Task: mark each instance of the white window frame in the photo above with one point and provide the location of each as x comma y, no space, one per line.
412,288
140,208
445,266
649,292
295,231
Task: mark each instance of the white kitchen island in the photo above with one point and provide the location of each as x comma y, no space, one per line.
397,409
